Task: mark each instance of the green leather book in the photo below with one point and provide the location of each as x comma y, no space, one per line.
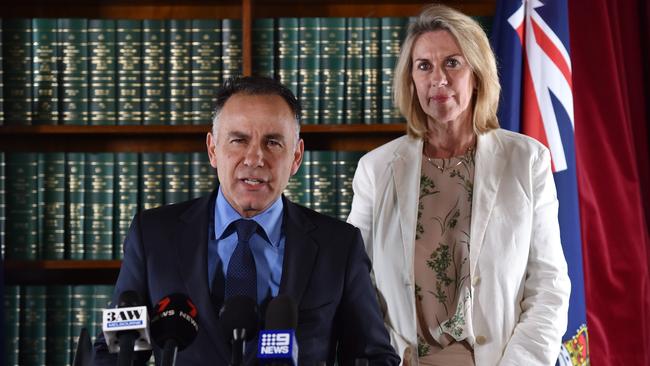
392,33
73,88
101,299
354,71
323,182
58,325
75,205
102,71
98,231
371,67
205,69
3,205
126,198
51,233
231,62
203,178
264,47
154,72
2,109
22,206
11,326
308,69
177,177
81,313
288,47
332,70
32,326
17,67
129,72
346,165
45,87
297,190
178,71
151,181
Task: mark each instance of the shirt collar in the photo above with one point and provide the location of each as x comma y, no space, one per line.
270,220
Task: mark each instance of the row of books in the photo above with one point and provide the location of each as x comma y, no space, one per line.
42,323
80,205
132,72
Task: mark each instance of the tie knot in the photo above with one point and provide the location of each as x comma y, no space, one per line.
245,229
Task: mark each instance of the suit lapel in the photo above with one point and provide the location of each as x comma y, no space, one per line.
490,161
300,252
192,250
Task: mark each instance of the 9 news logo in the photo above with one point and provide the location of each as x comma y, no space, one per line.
275,343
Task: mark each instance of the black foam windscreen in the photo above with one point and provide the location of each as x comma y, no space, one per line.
281,313
175,318
128,299
240,312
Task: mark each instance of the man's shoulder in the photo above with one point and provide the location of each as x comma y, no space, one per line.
319,220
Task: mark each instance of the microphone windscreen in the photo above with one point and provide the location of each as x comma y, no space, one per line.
128,299
239,312
175,318
281,313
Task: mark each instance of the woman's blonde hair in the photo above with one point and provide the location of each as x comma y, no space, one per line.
476,49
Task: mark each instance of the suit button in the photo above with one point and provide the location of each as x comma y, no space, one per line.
480,340
476,280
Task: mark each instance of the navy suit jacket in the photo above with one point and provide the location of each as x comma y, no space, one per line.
325,271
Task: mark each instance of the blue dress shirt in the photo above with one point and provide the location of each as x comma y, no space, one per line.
267,245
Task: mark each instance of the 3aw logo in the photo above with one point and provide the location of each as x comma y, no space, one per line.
125,317
275,343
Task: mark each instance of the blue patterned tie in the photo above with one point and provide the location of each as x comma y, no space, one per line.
241,277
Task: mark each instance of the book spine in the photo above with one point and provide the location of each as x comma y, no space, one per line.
151,189
354,71
332,70
73,50
53,207
45,86
2,109
58,321
177,177
323,182
178,71
129,72
3,205
308,64
206,68
81,306
98,231
346,165
231,32
32,326
202,176
101,42
154,71
75,205
297,190
126,198
22,210
11,327
392,33
287,67
263,47
371,66
101,299
17,63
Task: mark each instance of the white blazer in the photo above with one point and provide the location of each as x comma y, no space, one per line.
519,281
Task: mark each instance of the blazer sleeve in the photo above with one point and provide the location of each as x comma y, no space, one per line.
132,277
361,211
363,334
537,336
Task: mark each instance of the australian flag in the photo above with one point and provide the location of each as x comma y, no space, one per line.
531,42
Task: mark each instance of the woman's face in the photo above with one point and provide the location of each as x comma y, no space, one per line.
443,79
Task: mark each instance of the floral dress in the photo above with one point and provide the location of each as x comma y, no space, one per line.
442,289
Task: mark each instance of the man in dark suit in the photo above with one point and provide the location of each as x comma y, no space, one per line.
193,247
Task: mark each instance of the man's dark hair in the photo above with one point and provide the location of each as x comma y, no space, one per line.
255,85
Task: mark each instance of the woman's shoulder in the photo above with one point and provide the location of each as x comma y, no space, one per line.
518,142
394,148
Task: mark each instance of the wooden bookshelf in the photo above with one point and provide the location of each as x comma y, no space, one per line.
61,272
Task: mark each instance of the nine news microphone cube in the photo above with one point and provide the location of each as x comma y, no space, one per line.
122,319
277,346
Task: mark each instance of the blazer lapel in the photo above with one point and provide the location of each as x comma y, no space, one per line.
192,250
300,252
490,161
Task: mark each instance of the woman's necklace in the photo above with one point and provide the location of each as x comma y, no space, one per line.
446,163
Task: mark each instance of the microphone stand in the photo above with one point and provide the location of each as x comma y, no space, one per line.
169,353
238,347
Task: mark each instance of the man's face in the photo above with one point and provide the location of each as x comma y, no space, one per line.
255,151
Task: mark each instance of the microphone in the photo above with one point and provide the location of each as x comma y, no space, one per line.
84,353
239,323
126,327
174,325
277,344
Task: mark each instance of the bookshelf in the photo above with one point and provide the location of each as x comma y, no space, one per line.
187,138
